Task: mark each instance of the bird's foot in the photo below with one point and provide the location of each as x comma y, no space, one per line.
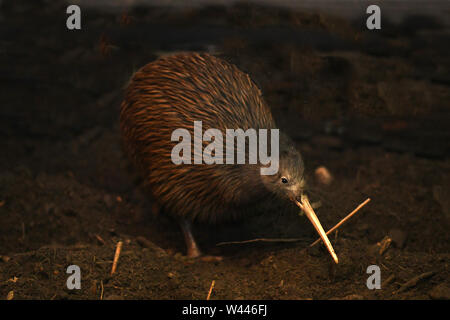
193,251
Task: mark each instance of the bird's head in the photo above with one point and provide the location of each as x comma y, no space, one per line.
288,182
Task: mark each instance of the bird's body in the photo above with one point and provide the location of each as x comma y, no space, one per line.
172,93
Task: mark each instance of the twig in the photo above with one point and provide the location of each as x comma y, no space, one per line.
384,244
210,289
102,289
99,239
413,282
388,280
116,257
342,221
259,240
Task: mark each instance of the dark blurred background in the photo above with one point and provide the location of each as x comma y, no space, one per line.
315,64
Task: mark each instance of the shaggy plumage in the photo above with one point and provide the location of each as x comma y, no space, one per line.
172,93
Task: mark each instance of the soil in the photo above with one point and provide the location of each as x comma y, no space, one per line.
371,107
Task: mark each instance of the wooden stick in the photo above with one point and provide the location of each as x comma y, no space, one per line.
259,240
413,282
343,220
210,289
101,293
116,257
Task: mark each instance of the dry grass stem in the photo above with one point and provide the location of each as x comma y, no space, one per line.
343,220
116,257
210,289
259,240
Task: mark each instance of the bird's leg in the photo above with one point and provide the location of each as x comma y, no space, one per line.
192,249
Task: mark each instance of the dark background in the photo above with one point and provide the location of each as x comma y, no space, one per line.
370,106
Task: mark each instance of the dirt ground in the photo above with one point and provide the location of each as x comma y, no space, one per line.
372,107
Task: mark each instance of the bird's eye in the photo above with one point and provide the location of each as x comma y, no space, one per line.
284,180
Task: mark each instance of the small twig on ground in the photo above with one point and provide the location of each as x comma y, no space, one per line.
102,289
388,281
116,257
210,289
99,239
384,244
342,221
259,240
413,282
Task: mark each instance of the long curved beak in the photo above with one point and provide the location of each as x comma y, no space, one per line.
308,210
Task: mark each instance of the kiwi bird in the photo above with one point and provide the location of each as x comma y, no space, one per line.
173,92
